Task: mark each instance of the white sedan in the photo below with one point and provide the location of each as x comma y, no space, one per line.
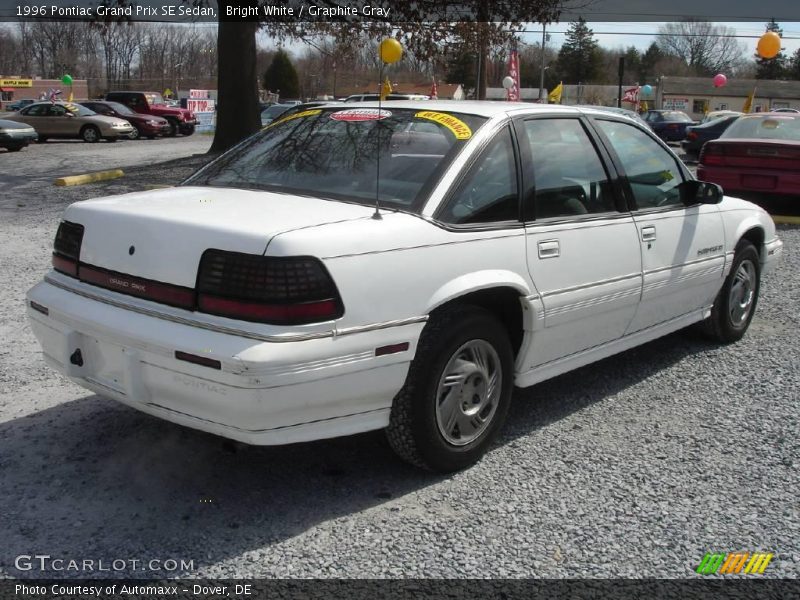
399,267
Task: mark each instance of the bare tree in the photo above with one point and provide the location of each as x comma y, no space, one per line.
706,48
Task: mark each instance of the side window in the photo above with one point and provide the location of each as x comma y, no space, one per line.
56,110
488,194
37,110
568,177
652,172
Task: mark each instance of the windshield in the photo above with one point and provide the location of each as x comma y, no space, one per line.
333,153
676,115
154,99
783,127
120,108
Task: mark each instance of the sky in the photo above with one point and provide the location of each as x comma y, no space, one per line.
635,34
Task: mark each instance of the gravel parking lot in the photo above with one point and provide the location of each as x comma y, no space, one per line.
633,467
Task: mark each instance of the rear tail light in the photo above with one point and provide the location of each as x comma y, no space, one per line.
712,154
67,248
277,290
691,135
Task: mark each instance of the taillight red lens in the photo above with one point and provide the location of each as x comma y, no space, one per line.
67,248
712,154
691,135
277,290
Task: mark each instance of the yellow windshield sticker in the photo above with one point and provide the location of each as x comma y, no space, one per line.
300,115
460,129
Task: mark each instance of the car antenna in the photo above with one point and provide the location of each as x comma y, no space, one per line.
390,51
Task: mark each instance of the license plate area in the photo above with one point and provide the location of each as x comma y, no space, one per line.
104,363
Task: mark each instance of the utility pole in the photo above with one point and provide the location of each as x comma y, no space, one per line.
542,67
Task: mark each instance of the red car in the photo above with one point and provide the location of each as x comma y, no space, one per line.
757,154
148,126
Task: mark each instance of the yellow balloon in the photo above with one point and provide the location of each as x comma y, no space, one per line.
390,51
769,45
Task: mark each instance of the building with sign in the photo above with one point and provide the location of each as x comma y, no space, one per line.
693,95
20,88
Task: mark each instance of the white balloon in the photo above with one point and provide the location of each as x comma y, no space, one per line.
508,82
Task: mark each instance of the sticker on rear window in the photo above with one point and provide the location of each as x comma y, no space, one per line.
300,115
361,114
460,129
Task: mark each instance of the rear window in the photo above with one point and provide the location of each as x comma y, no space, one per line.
774,127
333,153
676,115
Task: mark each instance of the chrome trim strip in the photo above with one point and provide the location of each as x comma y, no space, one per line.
591,285
718,257
518,233
287,337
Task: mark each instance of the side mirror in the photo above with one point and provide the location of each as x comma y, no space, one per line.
700,192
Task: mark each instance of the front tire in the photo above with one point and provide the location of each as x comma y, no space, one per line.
90,134
736,302
173,128
135,134
457,392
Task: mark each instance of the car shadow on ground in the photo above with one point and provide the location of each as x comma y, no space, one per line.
110,477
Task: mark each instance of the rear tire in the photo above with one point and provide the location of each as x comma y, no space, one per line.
736,302
457,392
14,148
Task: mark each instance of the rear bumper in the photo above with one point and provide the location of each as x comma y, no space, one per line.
264,393
739,179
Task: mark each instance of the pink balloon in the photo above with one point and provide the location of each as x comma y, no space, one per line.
720,80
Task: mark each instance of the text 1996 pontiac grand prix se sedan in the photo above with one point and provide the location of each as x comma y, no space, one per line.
266,300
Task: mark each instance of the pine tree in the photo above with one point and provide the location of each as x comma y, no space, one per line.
579,58
772,68
281,76
648,62
794,67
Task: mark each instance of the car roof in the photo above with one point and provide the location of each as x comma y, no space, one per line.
481,108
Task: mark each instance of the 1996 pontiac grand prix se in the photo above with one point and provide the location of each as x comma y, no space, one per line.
266,299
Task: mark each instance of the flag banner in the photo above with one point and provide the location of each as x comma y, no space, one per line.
631,95
386,88
748,103
512,93
554,97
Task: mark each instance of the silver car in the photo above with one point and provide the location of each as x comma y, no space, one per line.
70,120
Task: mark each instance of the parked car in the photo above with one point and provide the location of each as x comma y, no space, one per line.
718,114
789,110
698,135
148,126
669,125
268,115
18,104
70,120
341,272
758,154
15,136
181,120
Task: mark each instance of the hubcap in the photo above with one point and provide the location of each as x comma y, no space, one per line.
90,135
468,393
742,294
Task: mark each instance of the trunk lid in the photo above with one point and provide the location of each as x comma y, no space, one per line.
161,235
779,155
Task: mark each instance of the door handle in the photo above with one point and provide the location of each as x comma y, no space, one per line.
648,233
549,249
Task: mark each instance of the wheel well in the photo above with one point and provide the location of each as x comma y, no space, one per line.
755,236
502,302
